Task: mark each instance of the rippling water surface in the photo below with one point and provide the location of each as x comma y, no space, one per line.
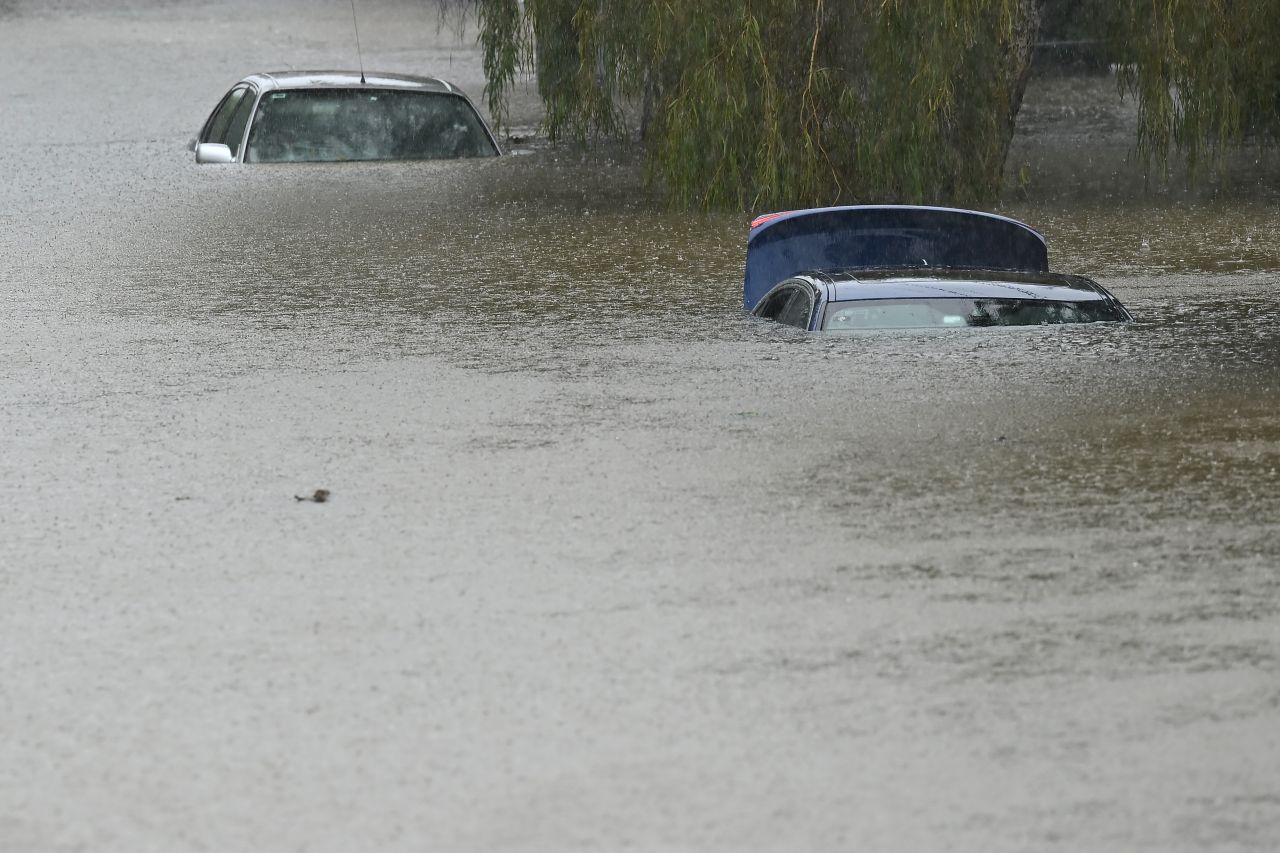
605,561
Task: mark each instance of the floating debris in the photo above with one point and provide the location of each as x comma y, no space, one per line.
319,496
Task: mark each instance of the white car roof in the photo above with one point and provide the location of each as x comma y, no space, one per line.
269,80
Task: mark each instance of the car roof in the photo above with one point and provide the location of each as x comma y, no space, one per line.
269,80
885,235
941,283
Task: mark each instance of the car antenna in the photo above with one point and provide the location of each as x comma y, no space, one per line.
356,22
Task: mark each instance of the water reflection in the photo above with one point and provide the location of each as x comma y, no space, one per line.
520,230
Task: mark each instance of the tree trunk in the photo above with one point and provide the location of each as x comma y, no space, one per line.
1019,67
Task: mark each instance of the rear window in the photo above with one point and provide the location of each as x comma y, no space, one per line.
927,313
328,125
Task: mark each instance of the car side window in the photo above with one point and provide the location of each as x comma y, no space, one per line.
798,309
216,128
775,303
235,130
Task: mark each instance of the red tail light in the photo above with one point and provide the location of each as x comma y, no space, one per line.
766,217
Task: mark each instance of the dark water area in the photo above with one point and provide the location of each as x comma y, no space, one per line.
606,563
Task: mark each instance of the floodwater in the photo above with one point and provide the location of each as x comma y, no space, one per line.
605,563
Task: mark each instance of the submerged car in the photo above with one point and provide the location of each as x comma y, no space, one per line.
900,266
328,116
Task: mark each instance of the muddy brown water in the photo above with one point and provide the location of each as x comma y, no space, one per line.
605,564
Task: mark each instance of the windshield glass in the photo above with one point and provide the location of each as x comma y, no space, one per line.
925,313
364,124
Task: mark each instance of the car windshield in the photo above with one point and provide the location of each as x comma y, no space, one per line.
364,124
926,313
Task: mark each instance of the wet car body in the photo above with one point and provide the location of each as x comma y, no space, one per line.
903,266
310,116
866,299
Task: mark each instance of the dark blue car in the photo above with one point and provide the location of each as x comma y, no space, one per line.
898,266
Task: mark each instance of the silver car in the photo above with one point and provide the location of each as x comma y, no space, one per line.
331,116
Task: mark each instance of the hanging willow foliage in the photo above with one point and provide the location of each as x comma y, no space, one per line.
1206,76
768,103
777,103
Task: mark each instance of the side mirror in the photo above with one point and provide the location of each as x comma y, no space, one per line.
212,152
